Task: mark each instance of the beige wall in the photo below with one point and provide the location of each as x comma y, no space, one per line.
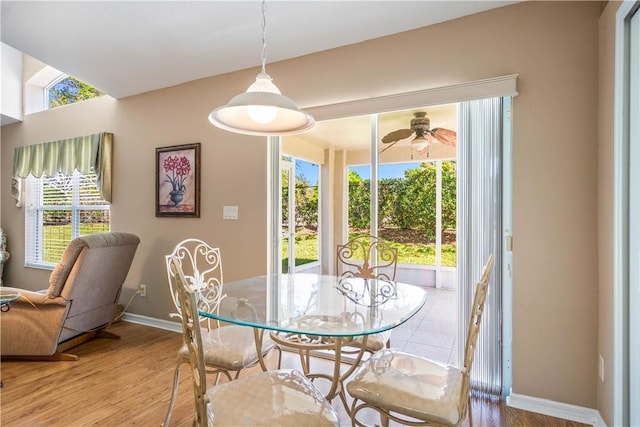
553,48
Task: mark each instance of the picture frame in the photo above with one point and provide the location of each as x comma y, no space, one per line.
178,181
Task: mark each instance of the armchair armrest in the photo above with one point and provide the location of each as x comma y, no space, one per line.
32,325
33,297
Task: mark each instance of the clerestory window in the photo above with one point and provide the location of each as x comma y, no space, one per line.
67,90
50,88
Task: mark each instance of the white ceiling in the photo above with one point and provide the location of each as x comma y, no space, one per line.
130,47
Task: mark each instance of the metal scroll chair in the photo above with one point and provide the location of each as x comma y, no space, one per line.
417,391
228,349
273,398
364,257
368,257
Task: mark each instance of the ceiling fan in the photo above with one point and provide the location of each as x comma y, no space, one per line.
424,136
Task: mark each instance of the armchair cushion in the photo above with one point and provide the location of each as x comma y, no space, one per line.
61,271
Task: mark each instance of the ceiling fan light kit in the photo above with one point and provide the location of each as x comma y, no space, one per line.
262,110
420,143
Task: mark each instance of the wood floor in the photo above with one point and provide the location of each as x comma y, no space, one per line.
127,382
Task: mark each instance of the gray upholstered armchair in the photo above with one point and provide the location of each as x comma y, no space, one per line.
82,299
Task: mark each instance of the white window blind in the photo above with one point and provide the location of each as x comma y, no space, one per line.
59,209
480,232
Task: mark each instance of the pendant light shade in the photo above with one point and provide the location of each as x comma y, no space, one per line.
262,110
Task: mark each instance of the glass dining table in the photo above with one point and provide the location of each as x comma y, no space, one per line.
310,312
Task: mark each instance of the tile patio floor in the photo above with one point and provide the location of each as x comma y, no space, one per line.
432,331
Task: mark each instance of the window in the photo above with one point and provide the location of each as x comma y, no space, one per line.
67,90
44,84
59,209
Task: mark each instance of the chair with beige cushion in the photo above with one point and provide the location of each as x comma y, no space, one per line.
228,349
273,398
417,391
368,257
81,301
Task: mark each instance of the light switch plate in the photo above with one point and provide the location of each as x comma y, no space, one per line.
230,212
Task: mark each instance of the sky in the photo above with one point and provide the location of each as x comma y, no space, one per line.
395,170
310,171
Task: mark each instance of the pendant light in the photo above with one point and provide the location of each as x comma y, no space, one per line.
262,110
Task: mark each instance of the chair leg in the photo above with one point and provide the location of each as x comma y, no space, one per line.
279,350
174,393
469,412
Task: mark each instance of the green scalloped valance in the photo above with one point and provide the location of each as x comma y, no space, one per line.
90,153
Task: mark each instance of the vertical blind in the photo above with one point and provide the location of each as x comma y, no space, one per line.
480,227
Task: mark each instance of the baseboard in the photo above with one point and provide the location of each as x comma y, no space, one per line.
565,411
153,322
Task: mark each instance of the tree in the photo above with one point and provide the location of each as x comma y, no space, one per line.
359,201
416,199
70,90
387,199
404,203
449,187
416,206
285,197
306,203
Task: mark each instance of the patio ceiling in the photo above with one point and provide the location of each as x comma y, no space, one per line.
353,133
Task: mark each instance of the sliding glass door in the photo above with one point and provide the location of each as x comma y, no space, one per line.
300,241
400,176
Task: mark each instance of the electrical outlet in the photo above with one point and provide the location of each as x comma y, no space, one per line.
601,368
142,290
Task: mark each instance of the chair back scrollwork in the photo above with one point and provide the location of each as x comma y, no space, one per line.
201,265
367,257
373,262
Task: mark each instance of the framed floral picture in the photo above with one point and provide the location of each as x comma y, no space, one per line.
178,181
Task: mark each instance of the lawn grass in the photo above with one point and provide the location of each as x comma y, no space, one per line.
419,254
56,238
59,236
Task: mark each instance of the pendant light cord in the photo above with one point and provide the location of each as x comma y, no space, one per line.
264,36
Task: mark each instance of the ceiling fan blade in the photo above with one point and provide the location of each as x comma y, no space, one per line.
389,146
397,135
445,136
